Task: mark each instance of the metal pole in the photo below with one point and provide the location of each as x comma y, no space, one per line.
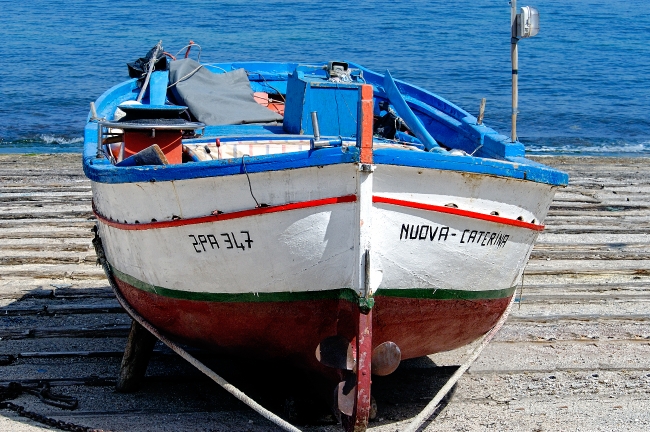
481,112
150,68
314,125
100,134
515,67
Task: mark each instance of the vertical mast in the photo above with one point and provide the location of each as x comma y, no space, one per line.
524,24
515,67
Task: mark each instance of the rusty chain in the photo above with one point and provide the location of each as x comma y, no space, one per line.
44,393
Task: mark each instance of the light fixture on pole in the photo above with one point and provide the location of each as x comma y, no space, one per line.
524,24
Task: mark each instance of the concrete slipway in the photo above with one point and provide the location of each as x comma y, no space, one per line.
574,354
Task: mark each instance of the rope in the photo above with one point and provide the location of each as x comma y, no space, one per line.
189,46
257,204
150,68
101,257
433,405
184,77
269,85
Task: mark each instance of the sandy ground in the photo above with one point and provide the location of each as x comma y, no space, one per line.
574,355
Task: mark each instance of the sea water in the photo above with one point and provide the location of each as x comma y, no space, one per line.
584,80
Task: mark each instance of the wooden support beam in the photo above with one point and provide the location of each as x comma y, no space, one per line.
137,353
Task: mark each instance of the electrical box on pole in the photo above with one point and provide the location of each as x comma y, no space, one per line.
523,25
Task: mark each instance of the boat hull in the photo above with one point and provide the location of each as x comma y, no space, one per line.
290,330
442,254
342,252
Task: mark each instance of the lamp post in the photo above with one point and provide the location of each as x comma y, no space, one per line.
524,24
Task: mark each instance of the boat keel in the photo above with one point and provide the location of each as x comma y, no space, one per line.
359,395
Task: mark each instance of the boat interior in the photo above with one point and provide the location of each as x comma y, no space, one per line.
234,110
216,115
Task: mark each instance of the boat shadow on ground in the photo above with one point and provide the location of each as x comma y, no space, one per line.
306,400
76,337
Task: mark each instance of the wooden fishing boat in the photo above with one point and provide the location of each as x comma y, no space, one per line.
323,215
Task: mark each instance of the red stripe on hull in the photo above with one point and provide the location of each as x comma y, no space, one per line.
224,216
292,330
457,212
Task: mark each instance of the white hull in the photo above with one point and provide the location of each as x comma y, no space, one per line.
321,247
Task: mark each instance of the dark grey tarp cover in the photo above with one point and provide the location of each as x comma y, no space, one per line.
217,99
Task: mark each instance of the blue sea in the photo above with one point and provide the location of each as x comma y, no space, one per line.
584,80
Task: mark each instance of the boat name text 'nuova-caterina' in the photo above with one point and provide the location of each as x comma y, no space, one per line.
429,232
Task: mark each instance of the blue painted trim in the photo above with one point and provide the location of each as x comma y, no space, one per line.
514,169
242,130
100,170
268,69
105,106
111,98
409,117
162,108
531,168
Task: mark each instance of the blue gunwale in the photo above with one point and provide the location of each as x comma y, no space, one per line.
495,155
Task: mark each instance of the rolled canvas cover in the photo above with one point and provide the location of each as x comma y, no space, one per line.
217,99
138,69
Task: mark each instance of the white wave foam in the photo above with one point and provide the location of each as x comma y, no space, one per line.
595,148
51,139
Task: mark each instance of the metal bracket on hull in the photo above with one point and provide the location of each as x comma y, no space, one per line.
366,302
368,168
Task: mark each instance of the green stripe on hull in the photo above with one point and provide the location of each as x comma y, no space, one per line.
445,294
340,293
343,293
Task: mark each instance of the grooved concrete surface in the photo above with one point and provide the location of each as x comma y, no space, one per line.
574,355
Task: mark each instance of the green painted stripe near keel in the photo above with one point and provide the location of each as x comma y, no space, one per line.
340,293
445,294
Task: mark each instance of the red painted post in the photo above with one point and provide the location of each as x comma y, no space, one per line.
359,418
189,47
364,130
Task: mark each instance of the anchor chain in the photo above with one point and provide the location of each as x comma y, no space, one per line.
44,393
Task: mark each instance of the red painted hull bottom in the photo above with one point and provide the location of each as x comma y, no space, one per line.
291,331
